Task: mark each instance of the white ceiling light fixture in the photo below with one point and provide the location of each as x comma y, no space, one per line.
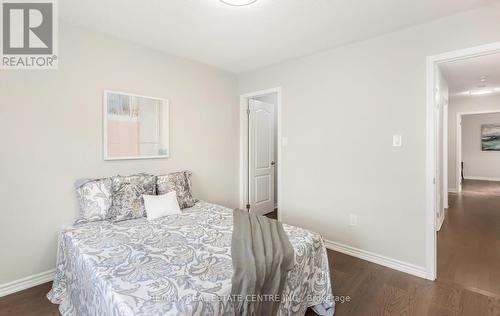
480,92
238,3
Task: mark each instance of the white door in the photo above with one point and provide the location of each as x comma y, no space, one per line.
445,153
459,154
439,166
261,157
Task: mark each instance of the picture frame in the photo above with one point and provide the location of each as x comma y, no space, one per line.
135,126
490,137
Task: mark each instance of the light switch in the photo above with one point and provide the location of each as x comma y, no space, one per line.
397,141
284,141
353,220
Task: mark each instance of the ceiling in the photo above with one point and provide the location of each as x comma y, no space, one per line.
239,39
466,75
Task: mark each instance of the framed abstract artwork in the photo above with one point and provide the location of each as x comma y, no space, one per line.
490,137
135,126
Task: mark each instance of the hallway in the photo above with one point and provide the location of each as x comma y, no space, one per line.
469,240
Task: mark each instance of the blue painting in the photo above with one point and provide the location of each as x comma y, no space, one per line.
490,137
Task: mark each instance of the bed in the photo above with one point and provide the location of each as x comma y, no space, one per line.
176,265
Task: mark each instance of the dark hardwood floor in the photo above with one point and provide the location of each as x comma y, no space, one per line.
468,270
273,214
469,240
30,302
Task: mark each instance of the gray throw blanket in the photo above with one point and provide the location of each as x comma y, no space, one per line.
262,256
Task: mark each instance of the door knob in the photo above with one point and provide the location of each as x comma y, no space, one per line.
272,163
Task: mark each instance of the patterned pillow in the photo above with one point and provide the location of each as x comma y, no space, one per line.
127,195
179,182
95,199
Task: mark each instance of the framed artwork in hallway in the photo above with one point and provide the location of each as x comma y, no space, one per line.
490,137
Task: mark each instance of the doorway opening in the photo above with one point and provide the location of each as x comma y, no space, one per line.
473,161
463,105
260,152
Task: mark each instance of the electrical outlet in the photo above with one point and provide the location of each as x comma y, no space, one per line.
353,220
397,141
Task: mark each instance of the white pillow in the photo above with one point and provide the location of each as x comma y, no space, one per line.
161,205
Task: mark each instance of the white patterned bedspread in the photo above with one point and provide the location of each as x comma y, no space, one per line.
176,265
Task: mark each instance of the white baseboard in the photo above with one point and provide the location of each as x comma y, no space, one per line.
378,259
26,283
452,190
482,178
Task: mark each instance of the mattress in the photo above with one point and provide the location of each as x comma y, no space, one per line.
177,265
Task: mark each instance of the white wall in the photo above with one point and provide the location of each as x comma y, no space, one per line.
51,127
464,105
272,98
478,163
340,110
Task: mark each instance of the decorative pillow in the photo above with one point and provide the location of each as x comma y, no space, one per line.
95,199
161,205
179,182
127,195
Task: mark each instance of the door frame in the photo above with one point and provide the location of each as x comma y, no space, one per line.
243,183
444,174
432,64
441,106
459,142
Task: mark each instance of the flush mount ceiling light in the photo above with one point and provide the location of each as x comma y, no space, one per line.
480,92
238,3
